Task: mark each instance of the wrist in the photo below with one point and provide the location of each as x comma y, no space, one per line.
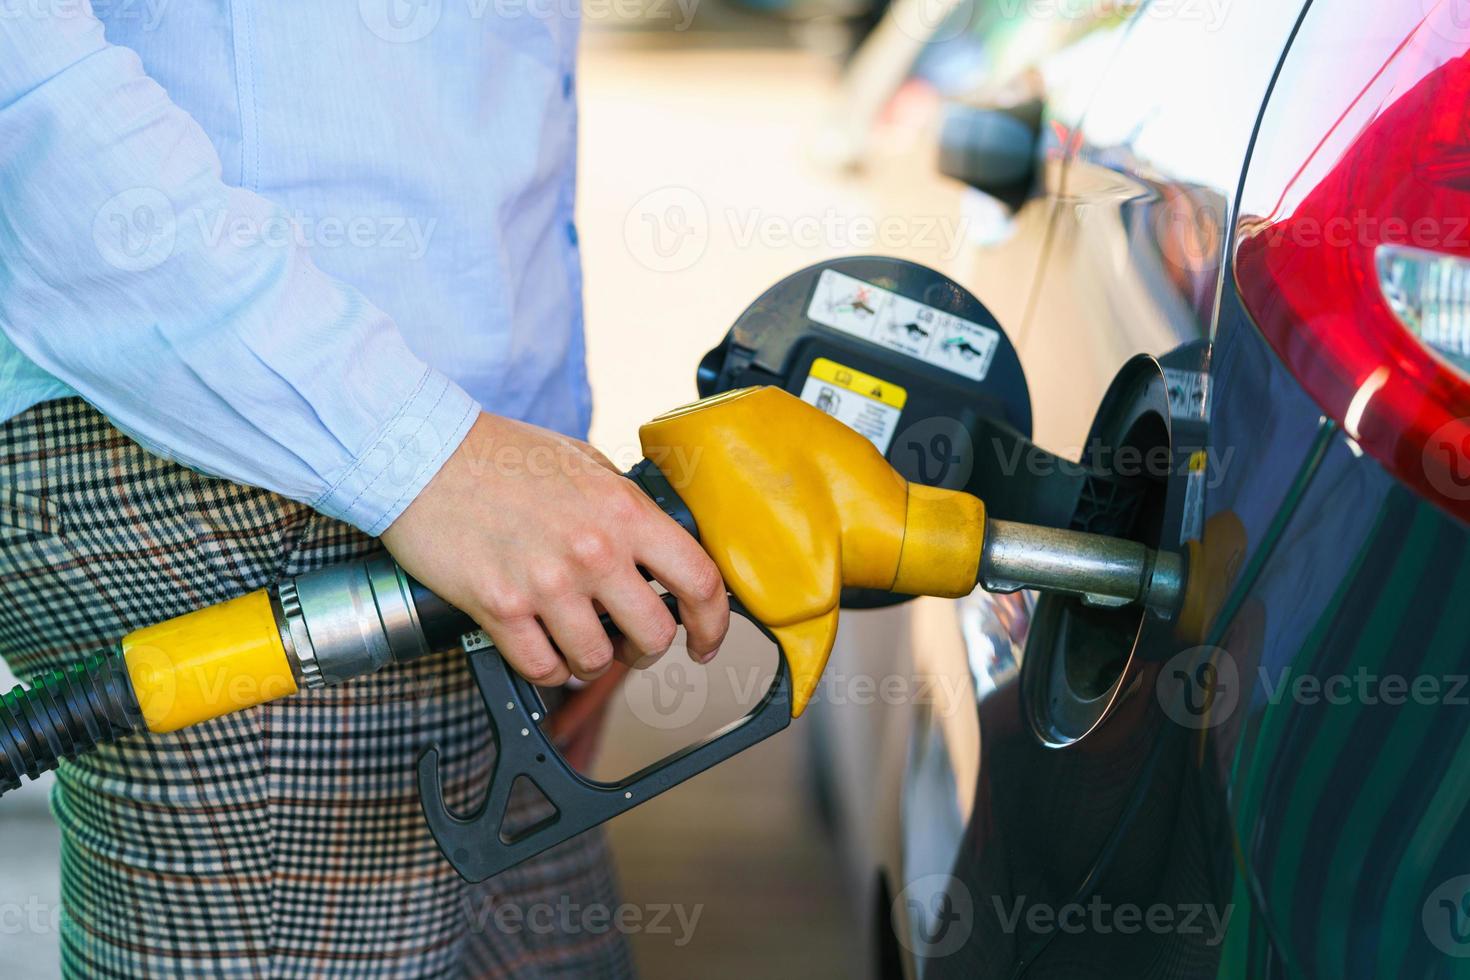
405,453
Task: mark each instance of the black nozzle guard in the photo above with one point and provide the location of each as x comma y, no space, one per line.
476,844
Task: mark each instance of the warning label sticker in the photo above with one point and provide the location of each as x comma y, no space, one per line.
899,323
860,401
1192,527
1189,393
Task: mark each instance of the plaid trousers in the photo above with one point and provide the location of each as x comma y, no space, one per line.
285,840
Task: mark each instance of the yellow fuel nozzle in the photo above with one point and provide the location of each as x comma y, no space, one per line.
794,506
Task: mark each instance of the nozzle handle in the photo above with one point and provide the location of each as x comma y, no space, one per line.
479,845
443,624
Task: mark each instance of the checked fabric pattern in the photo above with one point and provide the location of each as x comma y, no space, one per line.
285,840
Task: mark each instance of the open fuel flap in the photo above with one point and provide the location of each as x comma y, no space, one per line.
912,360
915,362
1080,657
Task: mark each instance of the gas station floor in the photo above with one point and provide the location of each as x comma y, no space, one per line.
697,191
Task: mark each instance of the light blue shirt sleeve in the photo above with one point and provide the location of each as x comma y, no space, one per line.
232,354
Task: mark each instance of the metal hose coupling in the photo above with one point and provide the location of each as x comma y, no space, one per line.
348,620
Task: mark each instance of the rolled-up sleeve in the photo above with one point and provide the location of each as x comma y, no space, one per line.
123,272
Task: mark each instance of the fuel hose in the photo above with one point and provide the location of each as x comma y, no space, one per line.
64,714
314,630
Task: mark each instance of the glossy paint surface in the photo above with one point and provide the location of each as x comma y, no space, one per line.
1263,788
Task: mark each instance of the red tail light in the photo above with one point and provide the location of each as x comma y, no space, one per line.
1364,288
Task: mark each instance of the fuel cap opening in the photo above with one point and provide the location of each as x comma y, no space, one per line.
1080,659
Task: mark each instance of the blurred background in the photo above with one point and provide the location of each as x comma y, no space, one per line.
724,146
711,168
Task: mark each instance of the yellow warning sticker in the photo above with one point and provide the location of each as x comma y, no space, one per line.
857,399
855,380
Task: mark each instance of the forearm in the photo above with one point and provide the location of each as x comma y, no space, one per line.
125,277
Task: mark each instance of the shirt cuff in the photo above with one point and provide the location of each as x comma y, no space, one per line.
404,455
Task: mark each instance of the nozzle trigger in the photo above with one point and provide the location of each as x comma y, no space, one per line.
476,843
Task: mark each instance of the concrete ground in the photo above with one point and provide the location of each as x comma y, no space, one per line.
698,189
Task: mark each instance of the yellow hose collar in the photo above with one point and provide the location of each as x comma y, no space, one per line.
208,663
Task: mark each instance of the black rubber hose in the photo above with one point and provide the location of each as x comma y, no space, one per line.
64,714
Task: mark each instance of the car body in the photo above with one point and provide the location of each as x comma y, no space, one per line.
1279,786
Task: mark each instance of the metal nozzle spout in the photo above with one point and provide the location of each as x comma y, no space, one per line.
1101,570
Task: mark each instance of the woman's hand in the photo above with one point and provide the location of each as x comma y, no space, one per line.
531,533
